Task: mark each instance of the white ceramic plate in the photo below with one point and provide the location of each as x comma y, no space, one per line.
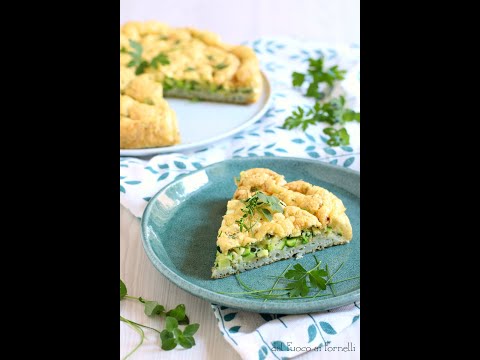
204,122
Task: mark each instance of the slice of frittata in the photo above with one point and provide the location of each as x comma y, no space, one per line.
270,220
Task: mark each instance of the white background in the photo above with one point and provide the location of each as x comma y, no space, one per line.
332,21
236,21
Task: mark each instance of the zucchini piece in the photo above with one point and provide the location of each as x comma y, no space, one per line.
223,263
281,244
291,242
262,253
249,257
239,250
246,252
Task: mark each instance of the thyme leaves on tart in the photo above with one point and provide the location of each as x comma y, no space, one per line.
263,204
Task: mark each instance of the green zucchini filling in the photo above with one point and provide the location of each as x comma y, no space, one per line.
171,85
262,248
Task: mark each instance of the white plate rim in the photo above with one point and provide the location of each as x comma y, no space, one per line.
184,147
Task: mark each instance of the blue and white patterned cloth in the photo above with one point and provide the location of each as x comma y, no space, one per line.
254,336
269,336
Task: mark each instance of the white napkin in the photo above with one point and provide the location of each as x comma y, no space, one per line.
274,336
251,335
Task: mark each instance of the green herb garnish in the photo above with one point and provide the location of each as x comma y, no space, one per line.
316,75
220,66
123,290
159,59
333,112
261,203
297,282
137,61
190,69
123,49
171,336
141,64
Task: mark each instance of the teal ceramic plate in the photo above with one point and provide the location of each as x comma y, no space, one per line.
180,225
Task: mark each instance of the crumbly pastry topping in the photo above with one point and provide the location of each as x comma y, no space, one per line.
290,223
178,62
146,120
194,56
308,207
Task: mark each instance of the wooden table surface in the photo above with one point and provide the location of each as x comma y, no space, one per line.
236,21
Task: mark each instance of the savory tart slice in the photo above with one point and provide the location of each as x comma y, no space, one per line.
146,120
269,220
191,63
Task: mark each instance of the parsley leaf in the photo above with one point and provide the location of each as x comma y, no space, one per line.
136,54
159,59
320,83
298,288
320,80
296,273
179,314
333,113
153,308
317,75
141,64
186,341
316,278
168,340
297,79
313,91
266,214
298,282
123,290
141,68
171,323
191,329
261,203
274,203
171,336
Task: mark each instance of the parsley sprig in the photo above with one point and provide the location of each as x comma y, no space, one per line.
317,76
296,282
141,64
333,113
261,203
171,336
321,83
